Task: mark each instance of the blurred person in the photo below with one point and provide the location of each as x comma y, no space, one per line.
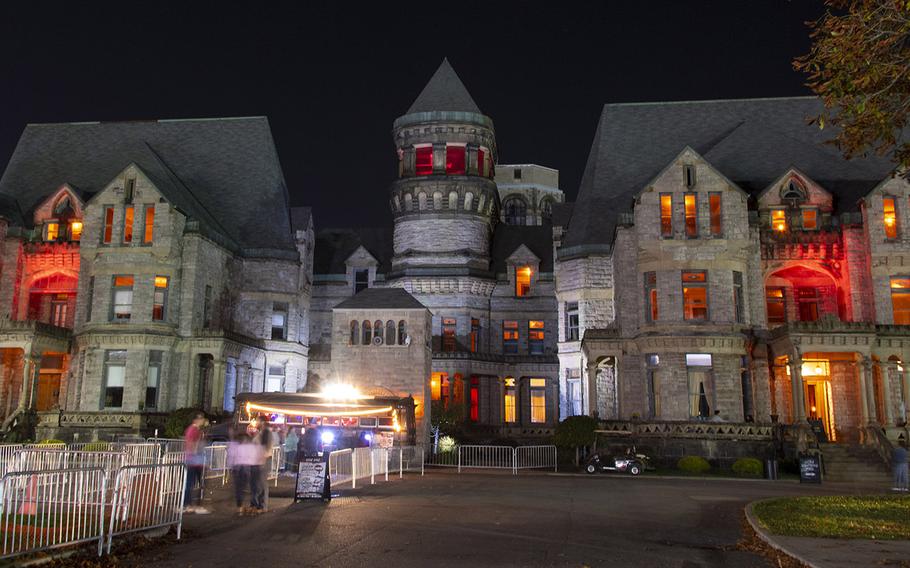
900,466
266,439
194,448
290,450
243,456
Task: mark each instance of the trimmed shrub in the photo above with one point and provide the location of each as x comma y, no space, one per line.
447,444
97,447
693,464
748,467
178,421
51,441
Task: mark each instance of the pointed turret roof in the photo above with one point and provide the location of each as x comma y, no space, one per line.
444,92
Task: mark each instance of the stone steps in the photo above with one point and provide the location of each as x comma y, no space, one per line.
853,464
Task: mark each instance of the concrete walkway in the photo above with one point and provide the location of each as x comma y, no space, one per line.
836,552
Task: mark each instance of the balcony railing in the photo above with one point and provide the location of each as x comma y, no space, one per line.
34,326
802,245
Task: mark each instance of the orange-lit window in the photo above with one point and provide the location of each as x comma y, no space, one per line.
160,299
714,202
900,300
508,401
436,385
777,309
890,217
475,334
423,162
666,215
522,281
475,399
651,296
510,337
455,162
51,231
128,224
122,300
107,235
691,215
149,232
535,337
779,220
538,400
810,219
695,295
448,334
76,230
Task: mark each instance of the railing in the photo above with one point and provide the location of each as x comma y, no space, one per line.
496,457
169,444
534,457
707,430
486,457
405,458
147,497
341,466
275,464
6,455
142,454
216,462
349,466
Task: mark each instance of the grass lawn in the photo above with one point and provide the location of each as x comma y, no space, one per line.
882,517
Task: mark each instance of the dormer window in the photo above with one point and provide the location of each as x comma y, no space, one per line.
522,281
51,231
779,220
810,219
794,192
129,188
689,176
361,280
76,230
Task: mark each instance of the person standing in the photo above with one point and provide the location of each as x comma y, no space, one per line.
900,466
243,455
194,451
265,439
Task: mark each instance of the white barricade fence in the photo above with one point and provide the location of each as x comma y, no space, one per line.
486,457
7,451
142,453
380,463
94,447
277,460
341,466
147,497
40,510
405,458
129,439
443,459
173,457
216,462
168,444
531,457
351,465
362,464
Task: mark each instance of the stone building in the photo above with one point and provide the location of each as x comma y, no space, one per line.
528,193
138,274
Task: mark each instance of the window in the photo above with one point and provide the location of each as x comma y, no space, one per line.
423,165
810,219
779,220
573,392
361,280
51,231
714,206
160,299
698,359
653,359
390,332
890,217
114,378
402,332
207,308
474,398
149,233
651,311
777,309
455,162
546,209
515,211
108,233
481,162
279,321
275,378
59,309
522,281
122,298
516,173
76,231
90,297
739,310
153,379
508,400
699,406
128,190
128,224
691,203
510,337
448,334
900,299
367,335
695,295
689,176
666,215
377,332
571,321
535,337
436,385
807,303
475,334
538,400
355,332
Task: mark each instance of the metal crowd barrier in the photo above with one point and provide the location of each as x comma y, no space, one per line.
496,457
275,464
349,466
341,466
534,457
147,497
486,457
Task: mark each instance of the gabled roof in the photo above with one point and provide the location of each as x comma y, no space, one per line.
444,92
335,246
381,299
223,172
509,238
751,141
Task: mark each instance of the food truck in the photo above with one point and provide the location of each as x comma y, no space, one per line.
344,418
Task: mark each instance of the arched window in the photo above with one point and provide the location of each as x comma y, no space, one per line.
453,200
367,332
377,329
390,332
546,209
468,200
408,201
480,202
515,210
437,201
355,332
794,192
402,332
421,201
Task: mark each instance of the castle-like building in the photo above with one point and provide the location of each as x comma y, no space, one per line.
721,264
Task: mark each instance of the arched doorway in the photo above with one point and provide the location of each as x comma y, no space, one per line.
52,299
802,293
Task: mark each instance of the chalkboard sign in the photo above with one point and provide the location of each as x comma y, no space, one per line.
312,479
810,469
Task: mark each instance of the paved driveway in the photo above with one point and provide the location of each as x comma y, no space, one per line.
445,519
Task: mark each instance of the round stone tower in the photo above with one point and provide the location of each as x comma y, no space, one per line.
444,201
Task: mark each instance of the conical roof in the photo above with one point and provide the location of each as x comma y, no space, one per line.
444,92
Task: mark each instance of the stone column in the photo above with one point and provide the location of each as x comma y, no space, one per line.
885,370
472,166
796,389
867,391
591,387
219,367
439,161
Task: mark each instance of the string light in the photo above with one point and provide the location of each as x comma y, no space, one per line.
370,411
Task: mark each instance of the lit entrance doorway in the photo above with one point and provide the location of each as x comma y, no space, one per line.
816,375
53,365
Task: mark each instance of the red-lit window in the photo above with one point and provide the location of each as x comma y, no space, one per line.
423,165
475,399
455,160
481,162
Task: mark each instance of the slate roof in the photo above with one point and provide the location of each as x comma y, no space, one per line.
334,246
562,212
751,141
444,92
223,172
301,217
507,238
381,298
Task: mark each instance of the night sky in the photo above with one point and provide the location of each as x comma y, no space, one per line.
332,76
